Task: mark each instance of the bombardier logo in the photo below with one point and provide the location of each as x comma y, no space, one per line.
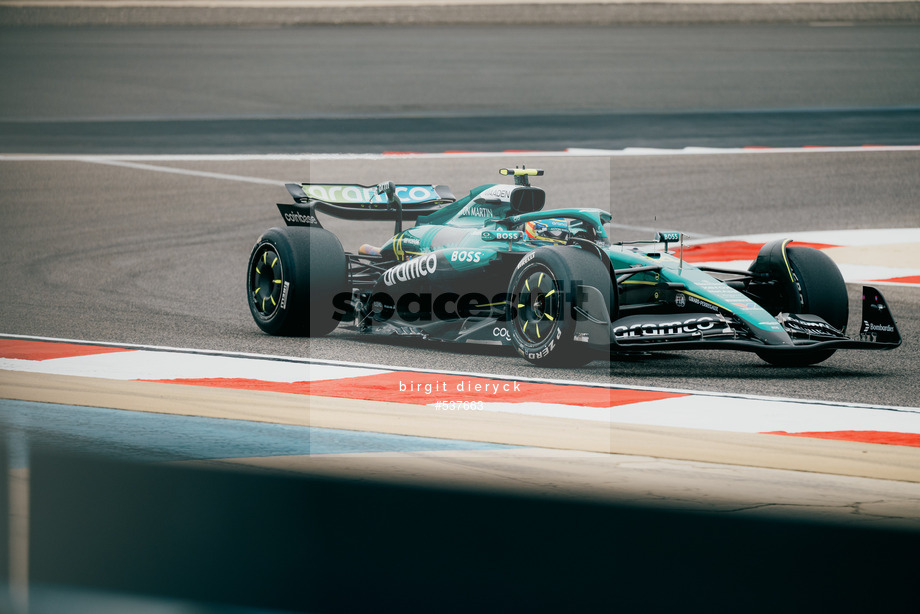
877,328
413,269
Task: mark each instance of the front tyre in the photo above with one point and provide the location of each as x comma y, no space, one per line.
544,291
817,288
292,277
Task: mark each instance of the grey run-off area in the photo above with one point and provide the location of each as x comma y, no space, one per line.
366,89
501,12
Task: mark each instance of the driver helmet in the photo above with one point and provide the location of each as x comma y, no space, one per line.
554,230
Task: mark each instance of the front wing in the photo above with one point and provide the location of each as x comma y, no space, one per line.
878,331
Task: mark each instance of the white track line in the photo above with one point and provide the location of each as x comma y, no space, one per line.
182,171
135,161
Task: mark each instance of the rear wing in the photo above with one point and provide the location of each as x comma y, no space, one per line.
360,202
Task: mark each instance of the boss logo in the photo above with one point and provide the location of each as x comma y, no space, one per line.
668,237
465,256
501,235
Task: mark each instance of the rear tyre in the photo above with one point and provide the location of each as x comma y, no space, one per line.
293,276
544,292
817,288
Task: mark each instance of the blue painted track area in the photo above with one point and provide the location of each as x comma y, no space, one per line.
150,437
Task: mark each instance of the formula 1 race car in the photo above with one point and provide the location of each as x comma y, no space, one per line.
493,267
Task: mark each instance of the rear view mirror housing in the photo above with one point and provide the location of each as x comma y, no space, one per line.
527,199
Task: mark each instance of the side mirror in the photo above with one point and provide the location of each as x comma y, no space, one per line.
667,237
527,199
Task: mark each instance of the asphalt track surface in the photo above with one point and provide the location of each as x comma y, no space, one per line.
99,251
373,89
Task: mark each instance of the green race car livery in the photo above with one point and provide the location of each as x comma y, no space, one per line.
494,267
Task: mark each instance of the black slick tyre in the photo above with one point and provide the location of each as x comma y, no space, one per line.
292,277
544,290
817,288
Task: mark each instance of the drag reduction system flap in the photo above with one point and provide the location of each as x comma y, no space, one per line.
359,202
